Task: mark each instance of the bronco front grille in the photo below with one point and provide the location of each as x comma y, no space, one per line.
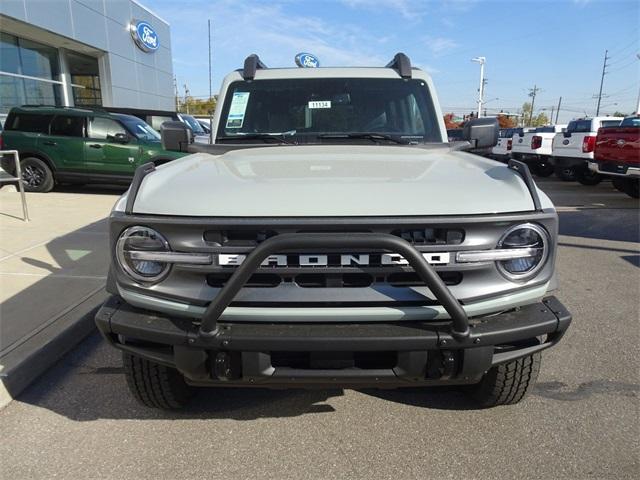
334,280
414,234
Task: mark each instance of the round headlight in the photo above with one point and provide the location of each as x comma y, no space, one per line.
533,241
142,239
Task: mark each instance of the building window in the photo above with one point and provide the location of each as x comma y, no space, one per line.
85,80
29,73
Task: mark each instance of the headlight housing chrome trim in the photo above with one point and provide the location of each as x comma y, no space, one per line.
124,258
543,251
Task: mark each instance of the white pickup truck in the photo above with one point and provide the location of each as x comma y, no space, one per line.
573,149
534,147
502,151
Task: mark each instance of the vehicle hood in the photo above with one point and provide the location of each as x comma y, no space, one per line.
332,180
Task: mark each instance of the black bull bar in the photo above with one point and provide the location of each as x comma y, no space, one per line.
304,241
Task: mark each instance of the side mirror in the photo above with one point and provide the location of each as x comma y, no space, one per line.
119,138
481,132
176,136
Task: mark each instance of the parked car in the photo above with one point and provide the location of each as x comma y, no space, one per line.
617,154
573,148
534,147
331,236
199,134
502,151
74,145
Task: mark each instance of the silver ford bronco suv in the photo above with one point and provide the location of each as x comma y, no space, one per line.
332,237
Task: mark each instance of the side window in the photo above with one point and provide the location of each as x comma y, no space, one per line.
26,122
103,128
67,126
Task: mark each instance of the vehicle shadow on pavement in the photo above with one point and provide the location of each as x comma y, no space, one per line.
437,398
89,384
621,225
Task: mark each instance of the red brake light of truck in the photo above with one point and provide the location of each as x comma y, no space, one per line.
509,144
588,144
536,142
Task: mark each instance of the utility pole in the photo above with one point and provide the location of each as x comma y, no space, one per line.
481,61
175,90
558,109
604,72
551,117
210,92
532,93
186,97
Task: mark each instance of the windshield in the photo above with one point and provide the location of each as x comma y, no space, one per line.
140,129
193,124
318,110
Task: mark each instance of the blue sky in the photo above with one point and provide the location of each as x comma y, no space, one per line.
557,45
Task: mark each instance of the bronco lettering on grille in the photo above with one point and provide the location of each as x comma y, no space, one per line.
322,260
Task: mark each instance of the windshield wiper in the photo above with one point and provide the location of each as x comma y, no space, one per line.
373,136
277,136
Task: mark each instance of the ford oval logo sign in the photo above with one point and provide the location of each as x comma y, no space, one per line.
565,142
307,60
144,35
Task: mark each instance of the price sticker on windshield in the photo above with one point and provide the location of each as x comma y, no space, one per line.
238,107
320,104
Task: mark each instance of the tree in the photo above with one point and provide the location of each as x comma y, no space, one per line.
530,120
619,114
449,121
196,106
506,122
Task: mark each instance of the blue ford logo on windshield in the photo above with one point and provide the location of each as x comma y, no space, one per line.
307,60
144,35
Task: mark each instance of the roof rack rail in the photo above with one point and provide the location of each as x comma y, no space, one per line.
251,64
401,64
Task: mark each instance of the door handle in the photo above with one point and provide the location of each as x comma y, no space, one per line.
95,145
50,143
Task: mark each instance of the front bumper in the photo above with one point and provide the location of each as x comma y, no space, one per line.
391,354
615,169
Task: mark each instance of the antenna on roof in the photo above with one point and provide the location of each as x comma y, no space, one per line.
251,64
401,64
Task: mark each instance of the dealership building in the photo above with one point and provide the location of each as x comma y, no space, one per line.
114,54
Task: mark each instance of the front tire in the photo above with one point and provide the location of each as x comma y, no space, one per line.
155,385
36,175
508,383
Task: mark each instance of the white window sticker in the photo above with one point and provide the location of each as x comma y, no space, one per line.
239,102
320,104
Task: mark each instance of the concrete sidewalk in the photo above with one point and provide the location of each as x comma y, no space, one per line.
52,275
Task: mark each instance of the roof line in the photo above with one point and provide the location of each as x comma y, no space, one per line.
151,12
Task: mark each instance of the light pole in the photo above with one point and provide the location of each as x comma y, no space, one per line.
481,61
638,105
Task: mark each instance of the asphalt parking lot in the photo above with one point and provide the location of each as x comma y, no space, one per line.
78,420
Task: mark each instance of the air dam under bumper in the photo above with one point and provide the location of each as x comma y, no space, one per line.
358,354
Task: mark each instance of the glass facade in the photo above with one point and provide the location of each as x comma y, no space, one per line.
30,74
21,59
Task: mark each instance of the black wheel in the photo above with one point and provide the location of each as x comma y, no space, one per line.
543,169
566,174
633,188
36,175
508,383
588,177
155,385
619,183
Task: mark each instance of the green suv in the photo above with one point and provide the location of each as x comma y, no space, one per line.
73,145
